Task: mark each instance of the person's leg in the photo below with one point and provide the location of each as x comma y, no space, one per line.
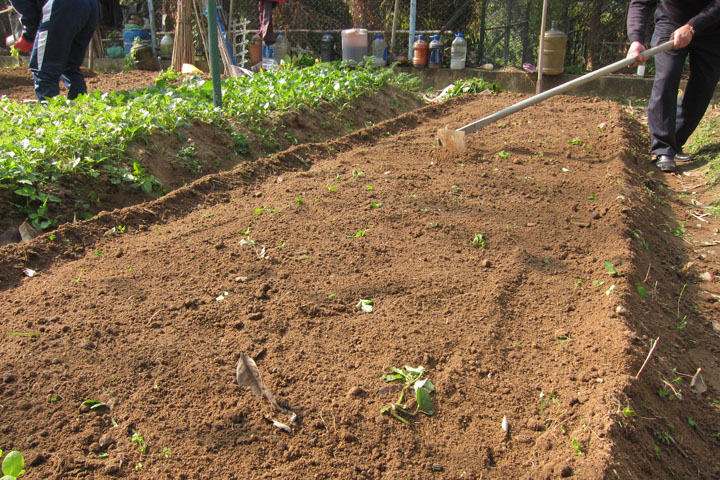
662,108
71,76
704,76
48,56
266,32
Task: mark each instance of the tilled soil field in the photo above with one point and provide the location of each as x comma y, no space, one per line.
17,83
529,276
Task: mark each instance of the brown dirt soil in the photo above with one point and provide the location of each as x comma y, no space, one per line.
271,259
17,83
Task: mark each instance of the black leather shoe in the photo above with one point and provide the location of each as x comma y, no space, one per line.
665,163
684,157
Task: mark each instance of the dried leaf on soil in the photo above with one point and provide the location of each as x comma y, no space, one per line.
248,374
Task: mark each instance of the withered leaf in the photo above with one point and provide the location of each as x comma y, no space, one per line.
247,373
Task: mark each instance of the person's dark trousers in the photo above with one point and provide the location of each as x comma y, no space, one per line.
60,45
671,119
265,8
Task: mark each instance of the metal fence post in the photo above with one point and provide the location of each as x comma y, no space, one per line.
411,38
214,53
481,40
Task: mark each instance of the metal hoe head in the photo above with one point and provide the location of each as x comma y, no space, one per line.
452,139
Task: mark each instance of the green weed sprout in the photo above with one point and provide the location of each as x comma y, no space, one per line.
577,447
13,465
478,241
412,379
139,440
610,268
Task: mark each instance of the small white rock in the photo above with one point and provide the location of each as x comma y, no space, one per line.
707,277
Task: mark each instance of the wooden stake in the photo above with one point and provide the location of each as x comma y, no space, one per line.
538,85
201,29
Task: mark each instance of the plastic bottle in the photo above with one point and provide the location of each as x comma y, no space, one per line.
421,52
354,44
166,45
436,52
282,47
268,58
379,50
327,47
458,52
554,44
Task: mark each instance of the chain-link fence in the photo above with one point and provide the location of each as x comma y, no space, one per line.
502,32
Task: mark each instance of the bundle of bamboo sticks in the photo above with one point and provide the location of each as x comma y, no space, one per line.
183,51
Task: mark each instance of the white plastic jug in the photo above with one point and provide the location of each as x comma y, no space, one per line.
354,44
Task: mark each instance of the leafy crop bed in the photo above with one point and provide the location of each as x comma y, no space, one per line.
527,277
64,157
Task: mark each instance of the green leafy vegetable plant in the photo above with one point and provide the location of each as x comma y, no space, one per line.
411,378
478,241
680,327
610,268
90,138
94,404
628,412
470,86
13,465
641,240
577,447
680,230
140,441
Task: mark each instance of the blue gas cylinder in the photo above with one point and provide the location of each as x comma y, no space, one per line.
132,32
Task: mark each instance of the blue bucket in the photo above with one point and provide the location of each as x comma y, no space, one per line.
129,36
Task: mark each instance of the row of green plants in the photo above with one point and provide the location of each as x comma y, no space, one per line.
63,141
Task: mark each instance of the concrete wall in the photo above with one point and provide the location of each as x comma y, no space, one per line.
611,86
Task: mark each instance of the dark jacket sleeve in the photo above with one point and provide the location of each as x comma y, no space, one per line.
30,16
637,18
708,18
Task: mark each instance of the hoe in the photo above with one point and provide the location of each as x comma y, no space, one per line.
455,139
